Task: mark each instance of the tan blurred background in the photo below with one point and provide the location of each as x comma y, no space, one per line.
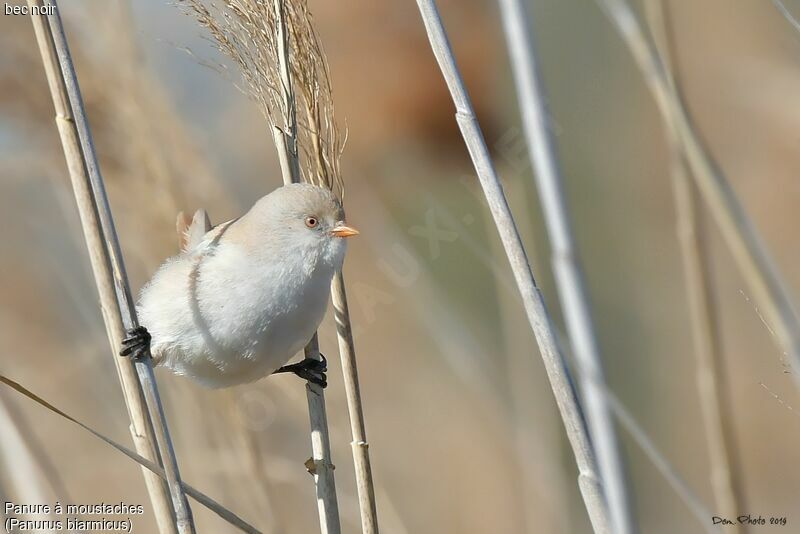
463,429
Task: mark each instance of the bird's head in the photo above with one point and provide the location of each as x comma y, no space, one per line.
307,221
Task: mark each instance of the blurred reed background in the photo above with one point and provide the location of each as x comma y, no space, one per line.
463,428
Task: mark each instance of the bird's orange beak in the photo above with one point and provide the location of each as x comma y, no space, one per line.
342,230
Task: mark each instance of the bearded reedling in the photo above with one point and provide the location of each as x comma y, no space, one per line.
238,305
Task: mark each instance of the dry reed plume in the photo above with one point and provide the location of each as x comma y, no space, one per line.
246,32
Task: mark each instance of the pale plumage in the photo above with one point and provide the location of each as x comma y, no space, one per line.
242,302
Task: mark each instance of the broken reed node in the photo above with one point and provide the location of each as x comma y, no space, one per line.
47,9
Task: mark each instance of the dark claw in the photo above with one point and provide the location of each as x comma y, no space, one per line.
309,369
320,365
136,344
314,377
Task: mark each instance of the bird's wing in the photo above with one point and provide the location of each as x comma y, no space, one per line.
213,236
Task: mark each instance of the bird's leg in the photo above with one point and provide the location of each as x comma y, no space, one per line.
309,369
136,344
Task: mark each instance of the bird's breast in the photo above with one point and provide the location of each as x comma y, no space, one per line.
267,314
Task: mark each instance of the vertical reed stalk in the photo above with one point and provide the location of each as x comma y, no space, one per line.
566,264
286,136
119,313
712,385
321,465
360,446
322,147
534,304
280,61
757,267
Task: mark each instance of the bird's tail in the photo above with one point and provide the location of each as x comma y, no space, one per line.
191,232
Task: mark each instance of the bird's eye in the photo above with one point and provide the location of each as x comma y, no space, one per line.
312,222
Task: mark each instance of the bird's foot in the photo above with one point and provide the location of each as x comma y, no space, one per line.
309,369
136,344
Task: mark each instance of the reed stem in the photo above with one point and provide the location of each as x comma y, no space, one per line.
532,299
320,465
286,136
755,263
712,385
360,446
138,381
566,263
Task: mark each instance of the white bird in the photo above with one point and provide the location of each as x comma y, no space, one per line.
238,305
